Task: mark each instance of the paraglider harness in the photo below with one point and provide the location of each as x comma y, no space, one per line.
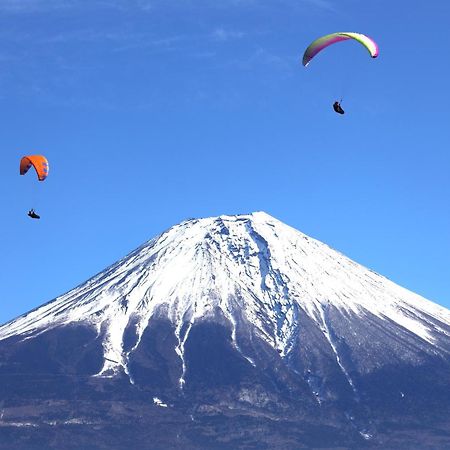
337,107
33,215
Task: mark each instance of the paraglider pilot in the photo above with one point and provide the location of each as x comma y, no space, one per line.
40,164
32,214
337,107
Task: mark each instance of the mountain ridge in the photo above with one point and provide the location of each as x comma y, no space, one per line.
276,271
250,333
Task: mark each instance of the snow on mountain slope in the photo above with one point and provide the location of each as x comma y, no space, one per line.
252,268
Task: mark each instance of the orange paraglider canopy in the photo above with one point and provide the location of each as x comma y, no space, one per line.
40,164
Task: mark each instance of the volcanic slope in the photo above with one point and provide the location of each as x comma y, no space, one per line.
245,314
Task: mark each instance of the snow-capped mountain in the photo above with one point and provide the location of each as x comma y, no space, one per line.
247,302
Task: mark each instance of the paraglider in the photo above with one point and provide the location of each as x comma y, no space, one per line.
33,215
325,41
39,163
41,167
338,108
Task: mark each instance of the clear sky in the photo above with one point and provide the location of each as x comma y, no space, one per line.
151,112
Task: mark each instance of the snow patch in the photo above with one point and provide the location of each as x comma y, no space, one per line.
159,402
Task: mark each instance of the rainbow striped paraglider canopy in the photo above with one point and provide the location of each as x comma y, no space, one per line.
325,41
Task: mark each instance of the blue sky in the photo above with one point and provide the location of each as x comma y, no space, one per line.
151,112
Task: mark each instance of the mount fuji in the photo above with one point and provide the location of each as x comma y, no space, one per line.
225,333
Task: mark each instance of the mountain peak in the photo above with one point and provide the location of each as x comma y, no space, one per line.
248,270
256,216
